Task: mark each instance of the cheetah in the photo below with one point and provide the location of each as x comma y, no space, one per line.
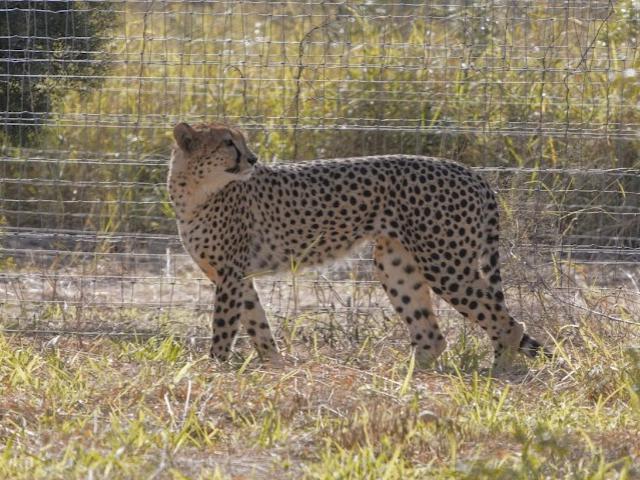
433,222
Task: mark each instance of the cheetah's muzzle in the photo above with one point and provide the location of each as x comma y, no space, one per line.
236,167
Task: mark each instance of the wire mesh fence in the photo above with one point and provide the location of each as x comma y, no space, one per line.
540,96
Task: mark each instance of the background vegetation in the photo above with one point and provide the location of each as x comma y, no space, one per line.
48,48
531,84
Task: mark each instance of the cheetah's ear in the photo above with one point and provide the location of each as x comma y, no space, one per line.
185,136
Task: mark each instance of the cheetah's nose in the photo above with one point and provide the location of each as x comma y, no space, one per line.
252,159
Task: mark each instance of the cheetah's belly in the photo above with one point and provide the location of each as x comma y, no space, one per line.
281,251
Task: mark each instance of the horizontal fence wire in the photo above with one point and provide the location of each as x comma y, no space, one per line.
539,97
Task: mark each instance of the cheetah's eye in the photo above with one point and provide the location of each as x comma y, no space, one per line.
228,142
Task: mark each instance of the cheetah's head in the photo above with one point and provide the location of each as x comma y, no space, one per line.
209,156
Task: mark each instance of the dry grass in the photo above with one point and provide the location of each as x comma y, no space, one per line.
349,403
161,409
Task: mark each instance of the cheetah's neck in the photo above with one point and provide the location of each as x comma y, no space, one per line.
188,197
189,200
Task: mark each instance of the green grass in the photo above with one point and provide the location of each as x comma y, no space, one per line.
160,409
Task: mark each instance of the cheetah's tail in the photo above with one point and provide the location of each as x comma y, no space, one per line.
532,348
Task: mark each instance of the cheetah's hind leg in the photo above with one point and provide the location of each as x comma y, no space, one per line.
410,295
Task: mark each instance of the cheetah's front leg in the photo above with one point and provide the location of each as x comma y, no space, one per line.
256,324
237,301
